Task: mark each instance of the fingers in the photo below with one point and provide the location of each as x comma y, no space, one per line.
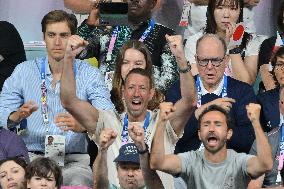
253,111
107,137
174,41
166,110
27,109
76,43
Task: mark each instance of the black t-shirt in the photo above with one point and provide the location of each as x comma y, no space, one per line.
11,49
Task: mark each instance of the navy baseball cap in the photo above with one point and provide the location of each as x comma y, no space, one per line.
128,153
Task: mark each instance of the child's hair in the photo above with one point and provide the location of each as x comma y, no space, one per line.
44,167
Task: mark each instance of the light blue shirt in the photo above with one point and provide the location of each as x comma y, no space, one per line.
24,85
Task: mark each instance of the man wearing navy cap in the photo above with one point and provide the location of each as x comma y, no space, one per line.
132,163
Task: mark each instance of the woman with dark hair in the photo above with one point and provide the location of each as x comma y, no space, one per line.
44,172
222,18
12,173
266,52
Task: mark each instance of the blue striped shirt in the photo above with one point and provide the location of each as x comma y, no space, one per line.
24,85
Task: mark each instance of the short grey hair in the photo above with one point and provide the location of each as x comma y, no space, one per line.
215,36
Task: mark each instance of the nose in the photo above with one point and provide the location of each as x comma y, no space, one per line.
57,40
9,176
137,92
43,182
211,128
209,64
130,172
226,12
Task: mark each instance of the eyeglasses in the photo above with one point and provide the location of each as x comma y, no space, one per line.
216,62
279,66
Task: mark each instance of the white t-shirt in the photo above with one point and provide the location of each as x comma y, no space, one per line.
110,119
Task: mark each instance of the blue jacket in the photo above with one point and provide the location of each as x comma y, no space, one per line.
243,133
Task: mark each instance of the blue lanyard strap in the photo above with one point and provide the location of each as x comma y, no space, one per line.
147,31
198,88
124,134
44,109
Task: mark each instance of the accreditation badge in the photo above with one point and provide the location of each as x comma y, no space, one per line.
55,148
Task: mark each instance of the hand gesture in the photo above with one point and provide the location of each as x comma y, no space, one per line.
230,29
75,45
167,110
107,137
253,112
67,122
136,133
176,46
225,103
24,111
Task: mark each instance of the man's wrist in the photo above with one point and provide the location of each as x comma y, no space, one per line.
143,150
236,50
185,68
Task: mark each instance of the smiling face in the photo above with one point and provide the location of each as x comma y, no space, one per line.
137,93
211,48
132,59
12,176
56,37
213,131
225,14
130,176
37,182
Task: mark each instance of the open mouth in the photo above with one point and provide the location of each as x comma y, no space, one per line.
212,140
136,102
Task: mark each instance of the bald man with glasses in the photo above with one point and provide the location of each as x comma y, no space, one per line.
214,87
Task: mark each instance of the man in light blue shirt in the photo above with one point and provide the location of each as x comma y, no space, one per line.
31,97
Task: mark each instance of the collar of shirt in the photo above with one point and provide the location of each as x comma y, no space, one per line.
217,92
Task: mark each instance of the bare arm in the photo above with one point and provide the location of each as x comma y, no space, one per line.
100,169
82,111
159,161
151,178
263,162
81,6
183,107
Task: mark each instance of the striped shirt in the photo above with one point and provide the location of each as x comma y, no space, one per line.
24,85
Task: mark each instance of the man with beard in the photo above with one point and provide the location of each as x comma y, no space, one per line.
215,166
107,42
214,87
137,92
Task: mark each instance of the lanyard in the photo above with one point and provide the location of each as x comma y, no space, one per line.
44,109
124,134
115,34
281,146
198,88
43,88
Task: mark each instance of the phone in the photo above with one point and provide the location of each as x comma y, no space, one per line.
113,14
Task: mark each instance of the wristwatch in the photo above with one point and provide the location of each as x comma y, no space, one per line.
236,50
143,151
185,70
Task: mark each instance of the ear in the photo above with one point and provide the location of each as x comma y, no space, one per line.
226,60
229,134
199,134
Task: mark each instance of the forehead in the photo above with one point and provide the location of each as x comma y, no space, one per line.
133,54
280,58
230,3
137,79
210,47
58,27
9,164
213,116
